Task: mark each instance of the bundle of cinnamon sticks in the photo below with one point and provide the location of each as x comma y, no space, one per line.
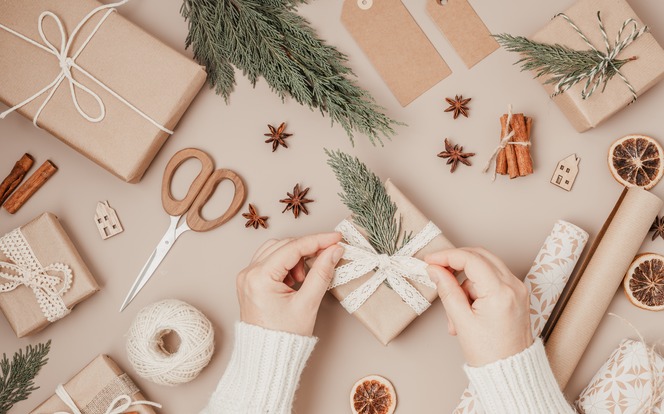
13,202
515,160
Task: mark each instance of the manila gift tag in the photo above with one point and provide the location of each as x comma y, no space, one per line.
396,46
463,28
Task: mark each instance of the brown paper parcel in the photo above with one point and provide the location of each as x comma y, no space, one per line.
385,314
642,74
88,384
150,75
51,244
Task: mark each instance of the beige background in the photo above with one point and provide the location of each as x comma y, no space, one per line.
510,218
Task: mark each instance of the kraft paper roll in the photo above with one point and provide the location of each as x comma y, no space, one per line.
604,268
545,282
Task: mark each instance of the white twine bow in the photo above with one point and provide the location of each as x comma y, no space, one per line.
119,405
67,63
599,73
26,270
394,269
504,142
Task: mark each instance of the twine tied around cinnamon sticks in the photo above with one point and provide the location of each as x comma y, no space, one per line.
515,161
67,62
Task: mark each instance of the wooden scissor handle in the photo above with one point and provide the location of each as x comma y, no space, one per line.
178,207
194,219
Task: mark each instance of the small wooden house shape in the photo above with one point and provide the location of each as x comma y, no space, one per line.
566,172
107,221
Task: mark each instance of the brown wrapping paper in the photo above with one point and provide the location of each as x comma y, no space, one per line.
87,384
602,273
385,314
155,78
50,243
642,73
405,58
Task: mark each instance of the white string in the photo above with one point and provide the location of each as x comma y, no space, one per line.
66,64
504,142
119,405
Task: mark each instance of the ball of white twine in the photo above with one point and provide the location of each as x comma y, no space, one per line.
145,342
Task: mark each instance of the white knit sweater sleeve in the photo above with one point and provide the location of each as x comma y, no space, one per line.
520,384
263,372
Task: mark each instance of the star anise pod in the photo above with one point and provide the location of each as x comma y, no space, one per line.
455,155
297,201
658,228
458,105
277,136
254,219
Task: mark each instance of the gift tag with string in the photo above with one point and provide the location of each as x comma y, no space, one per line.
396,46
463,28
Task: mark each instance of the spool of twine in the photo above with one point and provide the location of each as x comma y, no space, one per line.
152,354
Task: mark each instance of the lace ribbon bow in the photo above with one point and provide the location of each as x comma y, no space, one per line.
67,62
394,269
26,270
119,405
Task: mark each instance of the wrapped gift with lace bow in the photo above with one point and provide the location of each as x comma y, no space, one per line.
387,292
42,276
99,388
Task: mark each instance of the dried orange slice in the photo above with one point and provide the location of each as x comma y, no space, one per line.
373,395
636,161
644,283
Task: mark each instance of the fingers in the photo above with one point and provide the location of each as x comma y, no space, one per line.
287,256
320,275
470,289
477,268
270,247
453,297
505,272
450,325
269,243
298,272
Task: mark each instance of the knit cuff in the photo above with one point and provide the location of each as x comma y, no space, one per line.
520,384
263,372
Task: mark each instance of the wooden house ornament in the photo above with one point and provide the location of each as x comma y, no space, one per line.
566,172
107,221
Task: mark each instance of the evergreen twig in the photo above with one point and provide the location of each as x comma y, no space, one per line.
366,197
564,66
17,377
268,39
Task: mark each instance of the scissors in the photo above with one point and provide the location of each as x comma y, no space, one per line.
200,191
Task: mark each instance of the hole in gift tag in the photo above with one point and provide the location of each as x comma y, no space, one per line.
184,176
169,342
364,4
220,201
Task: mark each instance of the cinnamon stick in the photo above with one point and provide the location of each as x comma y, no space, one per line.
522,152
15,177
31,185
501,158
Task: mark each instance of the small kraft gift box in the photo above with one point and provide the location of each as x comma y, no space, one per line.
85,74
387,293
619,31
42,276
99,388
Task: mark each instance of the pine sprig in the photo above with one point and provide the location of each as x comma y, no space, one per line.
562,65
17,377
366,197
268,39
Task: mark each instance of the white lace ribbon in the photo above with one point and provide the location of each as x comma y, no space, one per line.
362,258
67,63
49,283
119,405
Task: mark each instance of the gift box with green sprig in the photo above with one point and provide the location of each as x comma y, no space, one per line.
594,59
382,279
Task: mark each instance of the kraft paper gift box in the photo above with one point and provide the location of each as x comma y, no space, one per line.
631,381
41,254
385,313
642,73
94,388
155,79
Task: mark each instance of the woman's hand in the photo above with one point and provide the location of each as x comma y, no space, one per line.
265,288
489,311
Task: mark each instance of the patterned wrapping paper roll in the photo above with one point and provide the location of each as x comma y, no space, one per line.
545,281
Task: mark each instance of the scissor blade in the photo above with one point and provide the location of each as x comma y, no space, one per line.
149,268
